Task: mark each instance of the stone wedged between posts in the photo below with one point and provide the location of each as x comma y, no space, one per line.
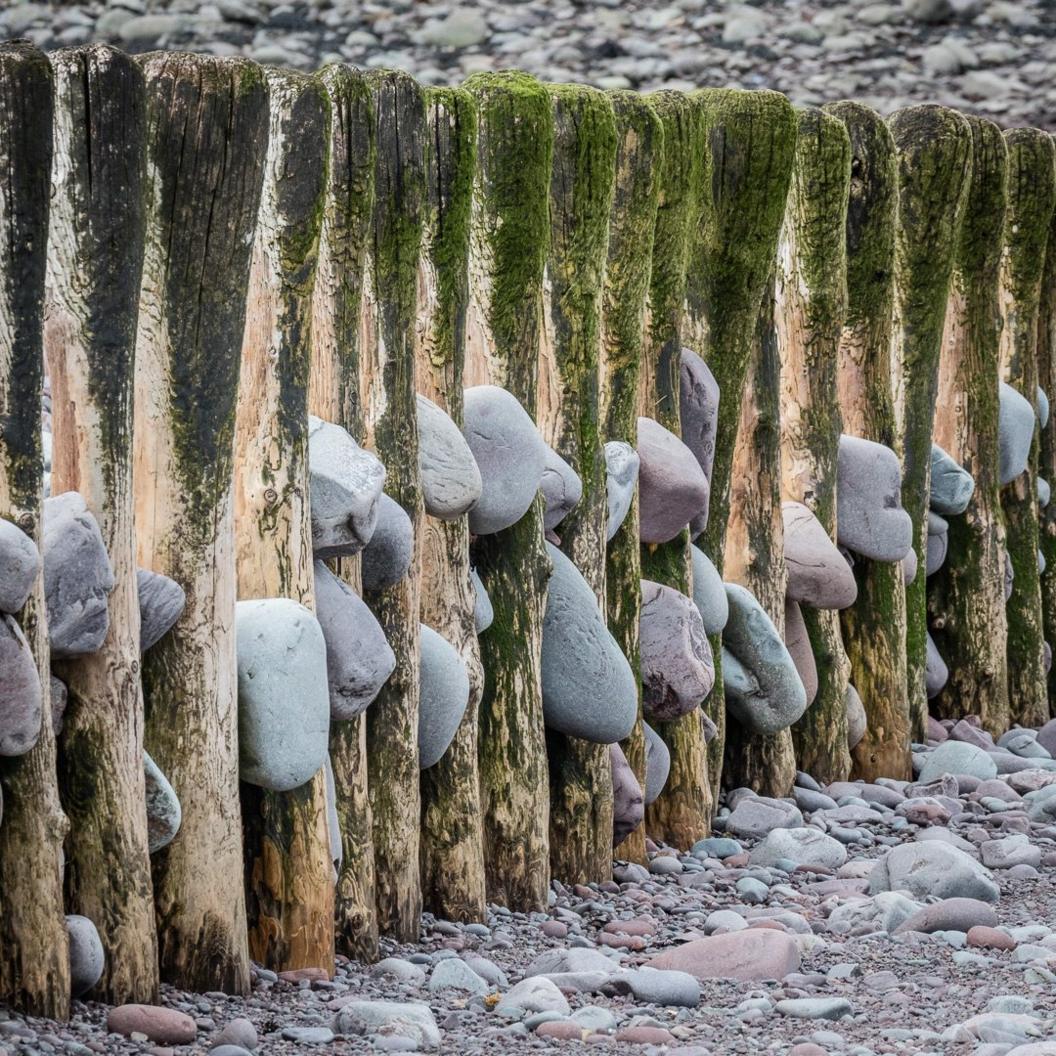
709,595
19,565
621,478
387,556
818,574
628,801
443,697
451,484
672,488
869,515
561,487
21,694
164,814
657,763
161,602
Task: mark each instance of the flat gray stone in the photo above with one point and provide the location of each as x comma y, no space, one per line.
483,612
161,602
533,994
936,673
932,869
815,1007
938,543
453,973
627,799
164,814
589,690
699,417
672,488
1041,406
621,478
657,763
394,1019
798,645
283,696
958,758
869,513
87,958
359,659
756,816
345,485
509,453
709,595
659,986
561,487
77,577
451,482
818,574
676,663
19,566
21,695
1015,432
444,696
387,557
951,486
771,697
803,846
857,720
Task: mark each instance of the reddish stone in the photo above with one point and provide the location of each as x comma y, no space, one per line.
736,861
637,926
806,1048
313,975
646,1036
564,1029
754,953
766,922
621,942
990,938
163,1025
554,929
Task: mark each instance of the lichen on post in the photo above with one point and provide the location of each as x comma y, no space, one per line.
508,250
874,627
1031,198
682,812
966,596
452,848
387,385
639,153
289,872
34,960
933,149
581,192
334,396
812,301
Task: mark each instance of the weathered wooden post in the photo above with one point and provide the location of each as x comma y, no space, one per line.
387,385
682,812
95,261
749,139
933,147
34,963
508,250
334,396
812,301
966,597
188,349
755,555
639,153
289,871
1031,196
874,627
581,192
452,852
1047,443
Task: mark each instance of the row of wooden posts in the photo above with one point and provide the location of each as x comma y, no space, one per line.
202,252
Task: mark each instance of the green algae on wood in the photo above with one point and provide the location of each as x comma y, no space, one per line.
966,596
1031,198
639,150
933,147
509,245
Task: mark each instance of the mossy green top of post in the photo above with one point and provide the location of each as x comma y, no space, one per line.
978,255
515,155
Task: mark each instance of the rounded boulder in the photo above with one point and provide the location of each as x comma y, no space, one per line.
869,515
818,574
657,763
387,557
451,482
443,699
709,595
951,486
621,478
628,801
21,694
19,566
672,488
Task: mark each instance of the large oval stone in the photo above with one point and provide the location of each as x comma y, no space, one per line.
164,814
627,800
818,574
161,602
87,958
359,659
346,483
483,611
443,699
932,869
621,478
21,696
283,699
19,566
937,545
709,595
387,557
589,690
1015,432
678,670
857,720
754,953
657,763
699,418
798,645
672,488
450,478
769,695
951,486
509,453
77,577
870,519
561,487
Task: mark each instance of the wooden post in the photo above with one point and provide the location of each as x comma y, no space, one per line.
682,812
966,597
188,350
387,383
452,851
289,871
812,301
1031,197
1047,442
34,962
933,148
508,251
95,262
874,628
755,553
750,140
581,193
334,396
639,153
